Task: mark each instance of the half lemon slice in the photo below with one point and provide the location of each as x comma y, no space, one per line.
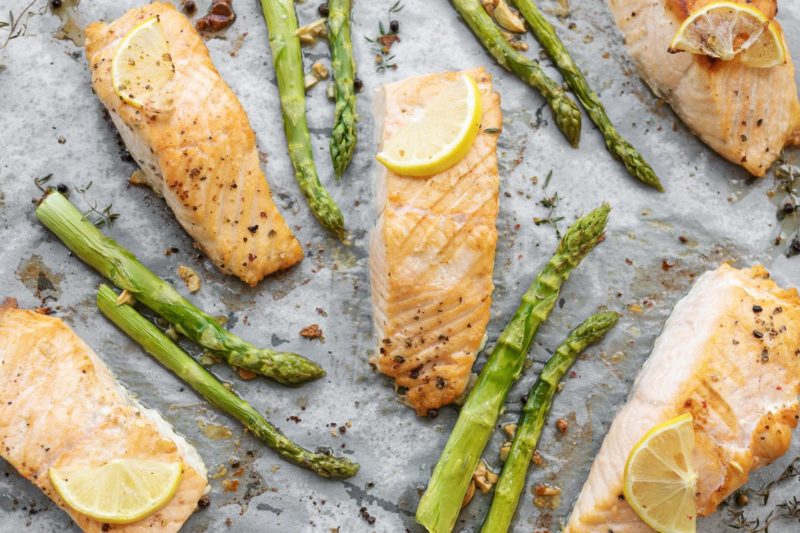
441,136
660,483
119,492
720,30
768,51
142,67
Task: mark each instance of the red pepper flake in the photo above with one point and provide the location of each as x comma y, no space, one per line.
778,388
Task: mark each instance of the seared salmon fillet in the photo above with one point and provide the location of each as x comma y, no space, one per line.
729,356
61,407
201,156
745,114
432,254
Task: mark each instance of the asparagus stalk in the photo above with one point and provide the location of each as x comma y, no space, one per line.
209,387
288,61
616,144
438,509
565,110
122,268
540,399
343,135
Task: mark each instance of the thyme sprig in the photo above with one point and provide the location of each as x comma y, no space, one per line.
98,217
550,203
789,178
18,25
382,44
788,509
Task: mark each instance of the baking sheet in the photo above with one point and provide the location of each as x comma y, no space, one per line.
50,122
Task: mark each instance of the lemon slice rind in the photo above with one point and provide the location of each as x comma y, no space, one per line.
441,137
768,51
720,30
120,492
660,484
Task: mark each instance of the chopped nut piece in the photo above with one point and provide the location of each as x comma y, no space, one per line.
484,478
220,15
470,493
537,459
319,70
311,32
562,425
507,18
510,430
189,277
311,332
545,489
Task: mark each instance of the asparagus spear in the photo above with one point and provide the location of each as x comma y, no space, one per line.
288,61
438,509
343,135
209,387
616,144
123,269
540,398
565,111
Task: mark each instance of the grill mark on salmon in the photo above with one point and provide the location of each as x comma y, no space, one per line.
741,390
202,156
432,255
61,407
747,115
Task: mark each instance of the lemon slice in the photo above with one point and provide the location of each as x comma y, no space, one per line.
720,30
119,492
660,483
142,67
768,51
441,136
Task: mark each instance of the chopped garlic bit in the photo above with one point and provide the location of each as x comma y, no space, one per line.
189,277
311,32
318,73
507,18
484,478
504,450
510,430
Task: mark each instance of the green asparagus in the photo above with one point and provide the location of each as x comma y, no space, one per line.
288,61
438,509
201,380
616,144
123,269
343,135
540,398
565,110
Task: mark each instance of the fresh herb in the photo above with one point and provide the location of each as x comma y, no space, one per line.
788,177
789,509
98,217
382,44
550,203
18,25
41,181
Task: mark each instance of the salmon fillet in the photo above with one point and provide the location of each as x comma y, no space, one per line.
747,115
432,254
729,355
201,156
61,407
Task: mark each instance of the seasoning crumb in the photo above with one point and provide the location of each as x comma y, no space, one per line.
562,425
366,516
311,332
683,239
190,278
484,478
246,375
203,502
188,6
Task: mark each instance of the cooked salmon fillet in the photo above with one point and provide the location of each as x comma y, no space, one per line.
61,407
730,356
745,114
200,156
432,254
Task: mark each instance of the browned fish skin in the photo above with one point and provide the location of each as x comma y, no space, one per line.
729,356
432,255
60,406
202,156
747,115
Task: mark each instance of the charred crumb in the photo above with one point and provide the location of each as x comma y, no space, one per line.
433,413
683,239
220,15
323,9
366,516
562,425
203,502
311,332
188,6
294,418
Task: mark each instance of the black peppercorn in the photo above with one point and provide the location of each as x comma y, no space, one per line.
794,248
433,413
789,208
757,334
323,10
757,309
55,4
394,25
63,189
203,502
358,84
